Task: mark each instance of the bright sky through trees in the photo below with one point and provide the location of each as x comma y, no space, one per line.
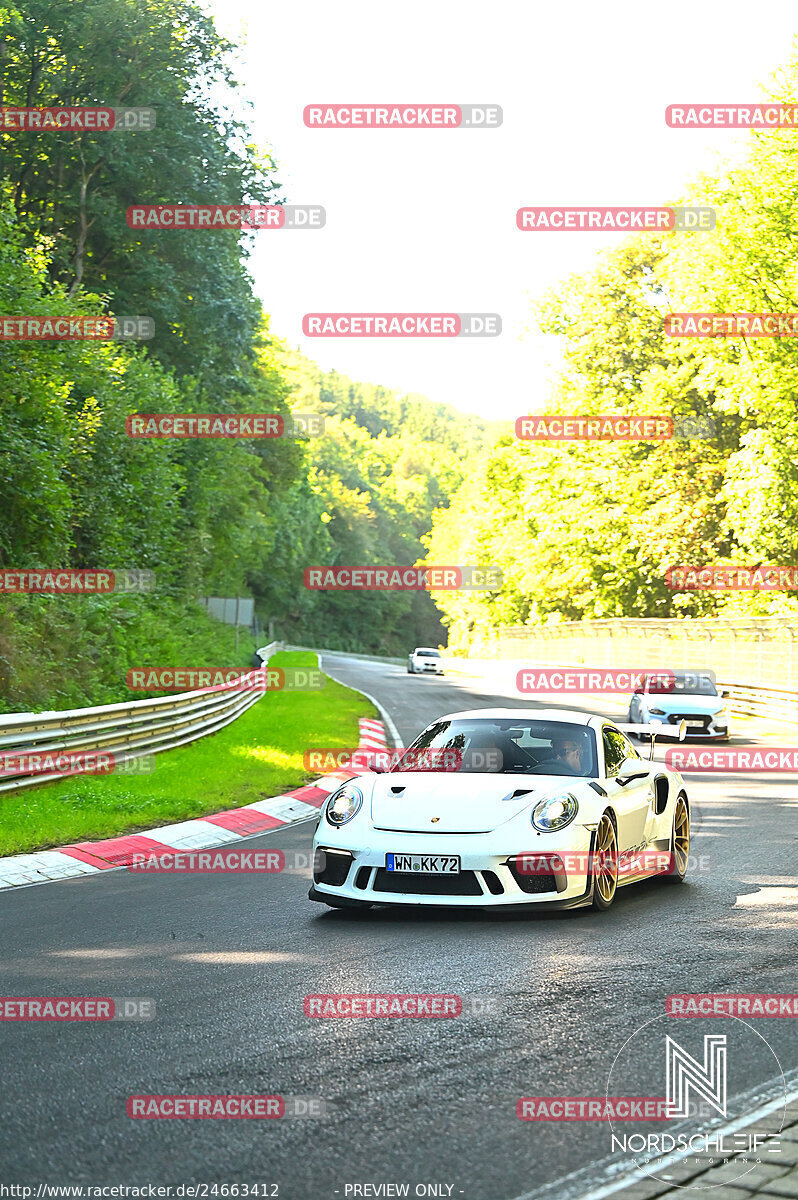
425,221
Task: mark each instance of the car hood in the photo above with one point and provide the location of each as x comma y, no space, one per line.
450,802
684,702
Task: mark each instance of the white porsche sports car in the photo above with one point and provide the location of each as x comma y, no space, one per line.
504,807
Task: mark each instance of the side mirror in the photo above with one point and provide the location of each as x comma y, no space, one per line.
378,762
631,768
725,694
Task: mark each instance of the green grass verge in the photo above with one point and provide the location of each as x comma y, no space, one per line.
257,756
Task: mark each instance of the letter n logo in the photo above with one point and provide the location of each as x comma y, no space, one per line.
685,1073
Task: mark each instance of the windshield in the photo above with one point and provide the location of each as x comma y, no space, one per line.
428,653
505,746
692,683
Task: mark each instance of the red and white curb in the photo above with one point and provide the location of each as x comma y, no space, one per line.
202,833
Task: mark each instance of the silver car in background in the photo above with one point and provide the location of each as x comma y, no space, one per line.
689,696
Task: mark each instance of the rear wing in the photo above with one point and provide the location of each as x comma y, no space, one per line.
657,729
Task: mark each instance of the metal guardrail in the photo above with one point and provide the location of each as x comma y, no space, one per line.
761,650
776,703
129,730
744,700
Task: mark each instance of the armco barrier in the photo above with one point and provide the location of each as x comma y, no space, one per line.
775,703
762,650
140,727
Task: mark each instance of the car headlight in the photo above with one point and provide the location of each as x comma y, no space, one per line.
343,804
657,712
722,712
555,812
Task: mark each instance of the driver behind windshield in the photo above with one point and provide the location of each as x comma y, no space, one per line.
568,755
506,746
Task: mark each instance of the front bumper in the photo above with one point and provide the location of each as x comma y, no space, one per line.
714,726
489,876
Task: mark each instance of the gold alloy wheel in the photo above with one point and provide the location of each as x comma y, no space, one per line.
605,863
681,837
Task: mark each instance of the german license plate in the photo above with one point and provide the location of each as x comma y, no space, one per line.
695,724
423,864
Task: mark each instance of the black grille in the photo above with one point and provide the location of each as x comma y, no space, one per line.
464,884
675,718
661,793
529,883
493,883
331,867
362,878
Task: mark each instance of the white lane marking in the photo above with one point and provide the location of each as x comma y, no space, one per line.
386,716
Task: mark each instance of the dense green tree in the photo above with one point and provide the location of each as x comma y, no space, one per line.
76,186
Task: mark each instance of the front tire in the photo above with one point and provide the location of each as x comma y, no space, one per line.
605,864
680,841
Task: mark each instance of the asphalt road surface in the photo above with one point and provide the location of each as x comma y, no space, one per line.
228,960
